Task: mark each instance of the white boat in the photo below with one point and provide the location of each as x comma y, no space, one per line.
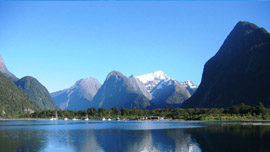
118,119
86,118
65,118
56,116
74,119
109,119
103,119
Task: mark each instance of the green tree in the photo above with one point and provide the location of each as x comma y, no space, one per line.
115,111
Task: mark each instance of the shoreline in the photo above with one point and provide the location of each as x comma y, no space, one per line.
23,119
1,119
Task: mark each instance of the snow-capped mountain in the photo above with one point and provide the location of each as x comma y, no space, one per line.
152,90
151,80
190,86
165,90
159,78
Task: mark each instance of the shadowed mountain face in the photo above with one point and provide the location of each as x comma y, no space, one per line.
120,91
79,96
36,92
239,72
5,72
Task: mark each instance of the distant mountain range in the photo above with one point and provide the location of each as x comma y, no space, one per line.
152,90
239,72
23,95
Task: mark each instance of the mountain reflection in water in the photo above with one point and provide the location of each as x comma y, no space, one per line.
132,136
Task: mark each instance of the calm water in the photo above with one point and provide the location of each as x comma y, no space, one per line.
133,136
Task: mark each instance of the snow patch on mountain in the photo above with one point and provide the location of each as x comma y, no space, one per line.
160,79
162,84
151,80
190,86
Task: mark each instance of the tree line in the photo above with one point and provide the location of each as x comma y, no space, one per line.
237,112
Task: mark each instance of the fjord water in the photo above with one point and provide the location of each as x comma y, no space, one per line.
133,136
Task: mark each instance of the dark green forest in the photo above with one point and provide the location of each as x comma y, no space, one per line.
36,92
13,102
237,112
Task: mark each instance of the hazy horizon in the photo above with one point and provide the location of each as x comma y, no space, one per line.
61,42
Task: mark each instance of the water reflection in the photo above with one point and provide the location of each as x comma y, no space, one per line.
233,138
175,140
99,136
23,140
128,140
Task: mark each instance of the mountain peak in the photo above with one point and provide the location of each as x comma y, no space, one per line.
235,74
157,75
159,72
79,96
120,91
115,74
189,84
150,80
4,70
248,28
245,23
36,92
84,81
169,92
242,39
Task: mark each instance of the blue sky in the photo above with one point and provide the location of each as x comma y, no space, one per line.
61,42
